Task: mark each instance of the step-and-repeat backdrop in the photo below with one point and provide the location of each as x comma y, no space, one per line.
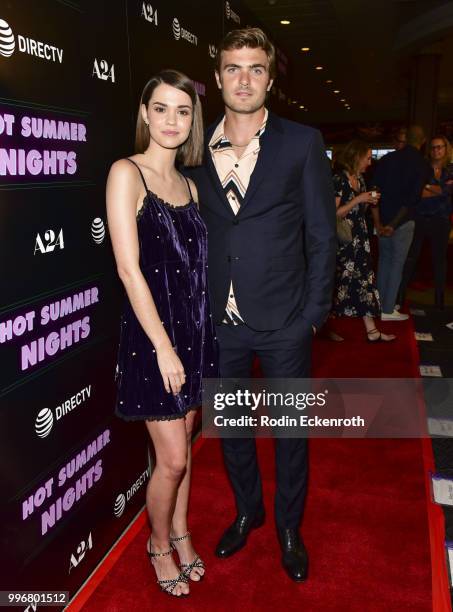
73,475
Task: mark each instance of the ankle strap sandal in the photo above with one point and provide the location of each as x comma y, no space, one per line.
169,585
188,567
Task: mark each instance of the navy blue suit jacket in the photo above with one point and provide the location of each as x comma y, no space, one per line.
279,250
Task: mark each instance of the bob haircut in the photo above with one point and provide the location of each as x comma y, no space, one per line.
350,155
190,153
253,38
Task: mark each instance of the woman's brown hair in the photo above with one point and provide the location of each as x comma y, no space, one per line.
190,153
350,155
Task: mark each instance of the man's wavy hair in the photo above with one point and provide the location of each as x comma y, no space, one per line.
253,38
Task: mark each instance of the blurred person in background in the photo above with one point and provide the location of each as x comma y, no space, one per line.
432,219
400,140
355,293
400,176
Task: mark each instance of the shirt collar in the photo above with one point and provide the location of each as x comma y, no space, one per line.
219,140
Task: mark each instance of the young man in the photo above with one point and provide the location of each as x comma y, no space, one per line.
267,200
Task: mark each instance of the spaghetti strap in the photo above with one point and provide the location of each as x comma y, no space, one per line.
141,173
188,187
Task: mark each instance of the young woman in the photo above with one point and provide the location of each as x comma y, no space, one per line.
355,289
432,219
167,342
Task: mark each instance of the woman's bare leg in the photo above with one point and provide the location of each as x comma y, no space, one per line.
170,444
185,549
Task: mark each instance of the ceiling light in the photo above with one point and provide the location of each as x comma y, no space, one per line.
319,68
305,49
285,22
301,106
329,81
335,91
343,100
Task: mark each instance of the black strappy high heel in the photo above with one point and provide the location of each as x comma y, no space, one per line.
188,567
169,585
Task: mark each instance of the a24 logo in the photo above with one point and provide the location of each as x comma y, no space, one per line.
50,243
103,70
149,13
82,550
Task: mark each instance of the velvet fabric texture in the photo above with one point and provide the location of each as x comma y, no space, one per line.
173,260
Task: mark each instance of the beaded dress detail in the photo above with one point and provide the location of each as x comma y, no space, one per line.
173,260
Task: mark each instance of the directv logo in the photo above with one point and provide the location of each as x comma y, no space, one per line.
47,418
98,230
120,504
121,500
180,32
44,422
27,45
7,42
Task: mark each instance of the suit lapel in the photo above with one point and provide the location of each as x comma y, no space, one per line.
212,172
270,144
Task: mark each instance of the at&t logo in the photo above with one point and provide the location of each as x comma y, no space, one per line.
82,550
180,32
50,243
7,42
98,230
148,13
230,14
27,45
212,49
176,29
103,71
44,423
120,504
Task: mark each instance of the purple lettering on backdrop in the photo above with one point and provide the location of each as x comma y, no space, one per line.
45,347
72,495
17,161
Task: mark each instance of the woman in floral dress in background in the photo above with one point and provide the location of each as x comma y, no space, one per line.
355,288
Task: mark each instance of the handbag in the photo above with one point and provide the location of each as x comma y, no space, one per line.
344,233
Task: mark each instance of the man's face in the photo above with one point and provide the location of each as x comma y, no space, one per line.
244,79
400,140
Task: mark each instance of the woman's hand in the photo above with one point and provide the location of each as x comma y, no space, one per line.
369,197
171,368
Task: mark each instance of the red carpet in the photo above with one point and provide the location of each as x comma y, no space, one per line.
365,524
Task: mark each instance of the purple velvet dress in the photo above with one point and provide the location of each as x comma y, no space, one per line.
173,260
